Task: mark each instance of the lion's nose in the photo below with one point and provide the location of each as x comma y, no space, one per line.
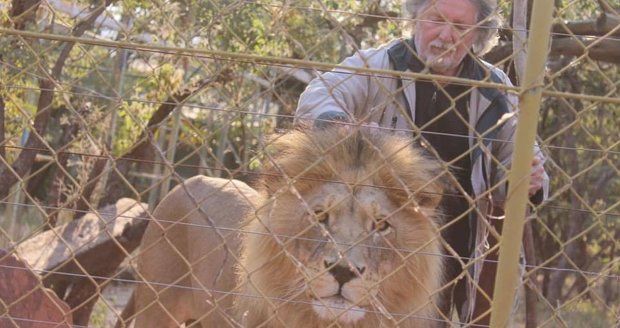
343,273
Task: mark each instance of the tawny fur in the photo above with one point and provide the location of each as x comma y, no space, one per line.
283,244
362,165
184,259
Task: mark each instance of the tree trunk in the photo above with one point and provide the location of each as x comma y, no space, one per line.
24,161
56,198
23,12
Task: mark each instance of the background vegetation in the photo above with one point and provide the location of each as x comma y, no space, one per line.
83,125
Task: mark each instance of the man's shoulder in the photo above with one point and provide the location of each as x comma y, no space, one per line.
376,57
382,48
485,71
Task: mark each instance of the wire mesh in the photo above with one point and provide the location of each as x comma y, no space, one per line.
167,163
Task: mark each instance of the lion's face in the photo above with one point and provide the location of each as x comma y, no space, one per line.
348,238
353,246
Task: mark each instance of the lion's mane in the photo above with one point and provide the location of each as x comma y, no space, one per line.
275,285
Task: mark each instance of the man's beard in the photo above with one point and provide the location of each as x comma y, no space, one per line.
439,56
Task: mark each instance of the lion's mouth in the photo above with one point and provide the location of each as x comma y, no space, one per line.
337,308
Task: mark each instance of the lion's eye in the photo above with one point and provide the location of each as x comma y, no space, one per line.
381,225
321,216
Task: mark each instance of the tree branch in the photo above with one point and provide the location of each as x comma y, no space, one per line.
602,25
605,50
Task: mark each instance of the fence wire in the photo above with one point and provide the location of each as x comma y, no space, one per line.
166,164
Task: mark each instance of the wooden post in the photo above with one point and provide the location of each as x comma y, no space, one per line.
507,278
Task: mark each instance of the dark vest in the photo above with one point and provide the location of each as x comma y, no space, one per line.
449,133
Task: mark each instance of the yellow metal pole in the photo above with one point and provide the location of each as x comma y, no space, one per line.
507,279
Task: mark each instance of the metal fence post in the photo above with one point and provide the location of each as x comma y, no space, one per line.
507,278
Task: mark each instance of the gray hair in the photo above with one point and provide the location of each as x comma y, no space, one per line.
488,18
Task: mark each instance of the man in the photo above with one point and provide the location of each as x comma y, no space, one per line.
470,128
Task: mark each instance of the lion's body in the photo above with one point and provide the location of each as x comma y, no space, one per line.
342,235
181,255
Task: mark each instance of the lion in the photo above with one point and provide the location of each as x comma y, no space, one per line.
188,253
342,232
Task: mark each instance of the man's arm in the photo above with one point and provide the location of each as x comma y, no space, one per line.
539,184
338,94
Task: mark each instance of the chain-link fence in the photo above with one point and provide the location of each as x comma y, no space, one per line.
161,164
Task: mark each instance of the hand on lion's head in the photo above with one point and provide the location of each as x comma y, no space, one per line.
347,234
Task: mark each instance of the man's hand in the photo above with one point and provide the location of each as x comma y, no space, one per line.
536,177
